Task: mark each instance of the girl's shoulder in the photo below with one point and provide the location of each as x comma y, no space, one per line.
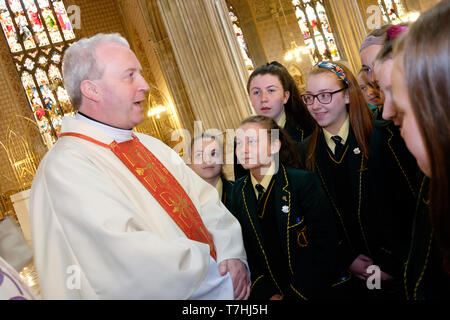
303,182
239,183
227,186
381,131
299,176
227,183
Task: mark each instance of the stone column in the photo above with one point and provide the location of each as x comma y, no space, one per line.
350,26
208,59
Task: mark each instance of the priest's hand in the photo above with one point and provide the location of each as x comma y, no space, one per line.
239,276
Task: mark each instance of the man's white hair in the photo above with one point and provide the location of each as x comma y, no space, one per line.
80,63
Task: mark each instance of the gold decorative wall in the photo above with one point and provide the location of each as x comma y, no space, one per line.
13,102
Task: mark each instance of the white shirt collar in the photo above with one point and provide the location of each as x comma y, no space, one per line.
119,135
343,133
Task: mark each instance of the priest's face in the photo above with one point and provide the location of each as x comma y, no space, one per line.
122,86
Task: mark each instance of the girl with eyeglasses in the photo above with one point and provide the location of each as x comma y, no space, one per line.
287,221
274,94
338,151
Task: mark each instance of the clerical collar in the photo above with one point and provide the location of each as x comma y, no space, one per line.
119,135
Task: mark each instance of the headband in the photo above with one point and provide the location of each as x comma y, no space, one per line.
334,68
394,31
370,41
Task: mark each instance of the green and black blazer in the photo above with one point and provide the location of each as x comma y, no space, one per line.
295,132
306,230
352,223
226,192
393,197
423,274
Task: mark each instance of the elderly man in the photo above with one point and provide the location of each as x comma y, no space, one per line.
117,214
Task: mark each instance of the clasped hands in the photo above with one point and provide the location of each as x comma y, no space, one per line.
359,268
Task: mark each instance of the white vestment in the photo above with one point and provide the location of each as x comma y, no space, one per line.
99,234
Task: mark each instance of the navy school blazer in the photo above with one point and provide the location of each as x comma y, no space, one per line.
306,229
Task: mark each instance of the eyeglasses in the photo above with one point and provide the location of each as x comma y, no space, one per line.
323,97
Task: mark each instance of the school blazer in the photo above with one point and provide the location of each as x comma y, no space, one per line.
295,132
306,226
423,276
226,192
357,171
393,197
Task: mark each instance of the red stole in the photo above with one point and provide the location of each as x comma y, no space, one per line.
161,184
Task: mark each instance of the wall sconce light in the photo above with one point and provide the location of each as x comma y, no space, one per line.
156,111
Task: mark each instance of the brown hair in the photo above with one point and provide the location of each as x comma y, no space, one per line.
381,31
425,55
359,114
295,109
288,153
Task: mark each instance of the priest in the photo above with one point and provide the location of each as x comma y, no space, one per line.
117,214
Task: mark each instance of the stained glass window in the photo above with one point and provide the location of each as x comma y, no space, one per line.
240,39
315,26
392,10
37,33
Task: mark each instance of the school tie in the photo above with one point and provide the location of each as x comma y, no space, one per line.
260,190
339,150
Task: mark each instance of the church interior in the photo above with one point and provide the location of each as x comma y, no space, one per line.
196,56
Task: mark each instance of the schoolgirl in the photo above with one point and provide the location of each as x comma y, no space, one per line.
287,223
206,159
338,151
